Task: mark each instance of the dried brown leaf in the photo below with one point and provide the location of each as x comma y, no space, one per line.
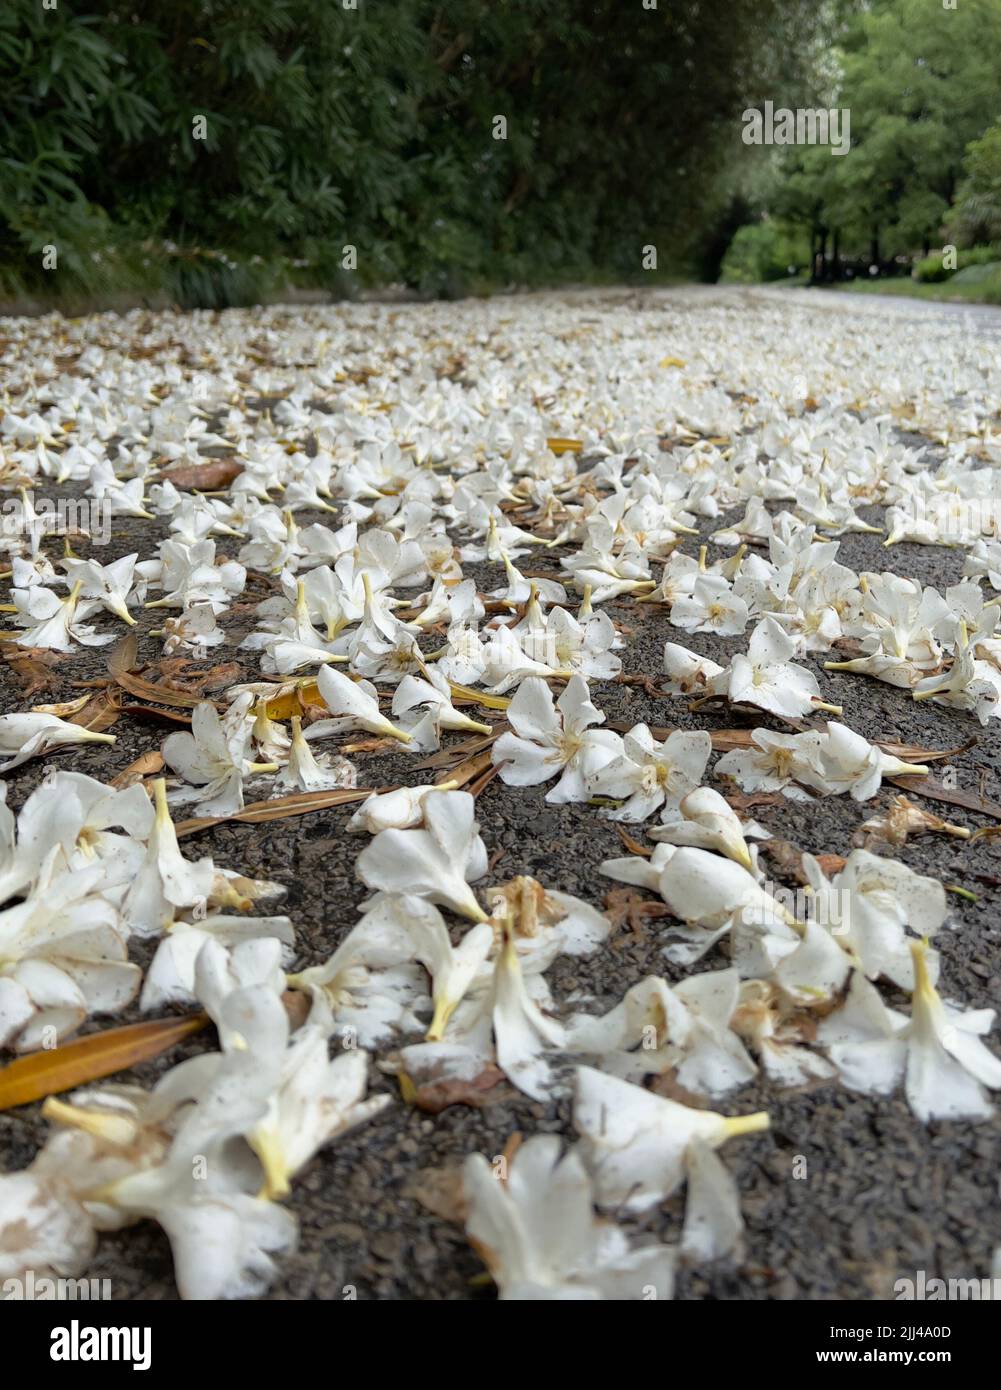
468,770
151,713
46,1073
33,667
439,1191
435,1096
298,804
204,477
914,753
633,846
146,765
952,796
625,907
100,712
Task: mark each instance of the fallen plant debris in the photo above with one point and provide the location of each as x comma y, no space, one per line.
441,545
903,819
278,808
47,1073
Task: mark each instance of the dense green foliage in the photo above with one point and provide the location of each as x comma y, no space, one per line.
932,269
767,250
977,215
373,127
923,84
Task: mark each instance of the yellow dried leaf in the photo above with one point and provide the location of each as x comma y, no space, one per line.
88,1059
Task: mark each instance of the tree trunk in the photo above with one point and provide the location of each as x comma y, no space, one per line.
714,245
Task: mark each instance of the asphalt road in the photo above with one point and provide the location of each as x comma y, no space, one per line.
880,1195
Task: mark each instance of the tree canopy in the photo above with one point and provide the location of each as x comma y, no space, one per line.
214,141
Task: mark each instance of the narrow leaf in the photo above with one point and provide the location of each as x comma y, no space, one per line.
935,791
46,1073
259,812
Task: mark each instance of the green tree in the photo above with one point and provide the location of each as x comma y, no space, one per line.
216,142
977,216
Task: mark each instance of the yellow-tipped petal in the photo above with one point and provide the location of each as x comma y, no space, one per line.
443,1011
114,1129
746,1124
276,1176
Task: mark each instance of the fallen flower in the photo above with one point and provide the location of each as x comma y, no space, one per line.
637,1144
902,819
938,1054
27,736
708,822
549,740
651,774
535,1229
355,705
434,862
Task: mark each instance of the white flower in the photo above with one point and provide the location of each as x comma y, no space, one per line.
638,869
75,813
560,643
703,889
59,628
194,631
656,1027
765,676
25,736
427,705
690,674
522,1032
214,756
257,946
637,1144
396,810
375,982
710,607
851,763
774,762
937,1054
714,1226
548,741
536,1230
708,822
166,880
969,684
767,1020
463,658
651,774
189,574
109,585
42,1229
317,1100
545,923
869,904
434,862
304,772
355,705
63,957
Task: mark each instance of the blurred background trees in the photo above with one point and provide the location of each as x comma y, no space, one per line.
373,127
212,150
923,85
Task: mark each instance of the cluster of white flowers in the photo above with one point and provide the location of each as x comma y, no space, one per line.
569,435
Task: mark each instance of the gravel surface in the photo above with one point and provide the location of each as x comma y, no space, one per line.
843,1195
